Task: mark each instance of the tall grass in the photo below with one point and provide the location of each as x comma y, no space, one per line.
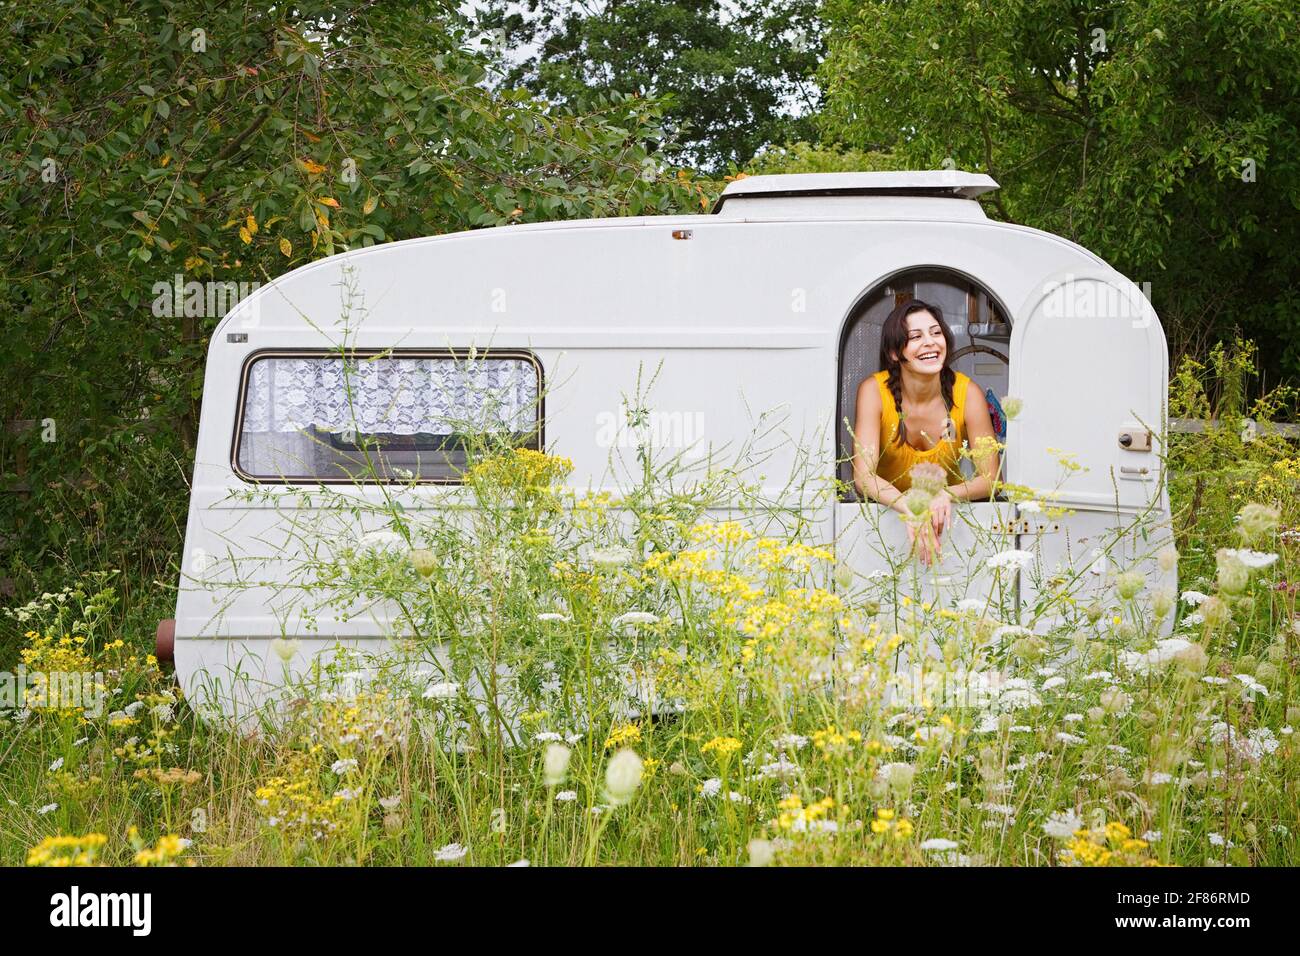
579,679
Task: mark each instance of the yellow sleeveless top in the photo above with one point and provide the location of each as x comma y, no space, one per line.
897,459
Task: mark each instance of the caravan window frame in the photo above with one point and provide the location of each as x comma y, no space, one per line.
245,376
849,494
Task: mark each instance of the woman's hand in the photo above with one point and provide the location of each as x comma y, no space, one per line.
940,514
924,534
921,539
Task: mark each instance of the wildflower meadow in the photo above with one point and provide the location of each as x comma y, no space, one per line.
582,678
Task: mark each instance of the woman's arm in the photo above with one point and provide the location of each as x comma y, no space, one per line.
866,449
978,426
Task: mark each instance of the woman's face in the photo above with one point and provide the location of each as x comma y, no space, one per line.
926,348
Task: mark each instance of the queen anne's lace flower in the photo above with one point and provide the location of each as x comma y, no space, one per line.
1012,558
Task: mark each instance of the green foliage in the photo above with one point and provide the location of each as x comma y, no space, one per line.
1132,128
804,157
737,77
1235,459
229,143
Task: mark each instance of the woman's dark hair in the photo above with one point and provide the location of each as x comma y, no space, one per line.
893,340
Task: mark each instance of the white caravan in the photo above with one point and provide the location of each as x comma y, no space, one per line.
774,301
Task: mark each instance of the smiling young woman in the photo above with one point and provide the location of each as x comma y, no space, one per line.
916,410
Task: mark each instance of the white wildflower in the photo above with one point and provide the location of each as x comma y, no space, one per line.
1250,686
451,853
555,764
609,558
284,649
1159,656
635,617
1012,558
1062,824
938,844
442,690
622,776
1255,560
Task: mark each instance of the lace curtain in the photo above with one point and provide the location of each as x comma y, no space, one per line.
393,395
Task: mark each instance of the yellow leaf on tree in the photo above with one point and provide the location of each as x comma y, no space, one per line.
370,205
245,235
286,247
327,201
193,262
312,167
251,223
167,158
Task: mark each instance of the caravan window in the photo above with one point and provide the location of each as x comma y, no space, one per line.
981,330
382,415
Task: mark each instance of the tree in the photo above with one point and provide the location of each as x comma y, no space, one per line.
229,143
736,77
1163,135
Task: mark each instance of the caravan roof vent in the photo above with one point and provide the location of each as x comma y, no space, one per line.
833,194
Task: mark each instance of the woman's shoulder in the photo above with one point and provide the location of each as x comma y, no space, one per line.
872,382
873,391
964,389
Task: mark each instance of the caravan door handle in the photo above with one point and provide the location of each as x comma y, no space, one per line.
1135,439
